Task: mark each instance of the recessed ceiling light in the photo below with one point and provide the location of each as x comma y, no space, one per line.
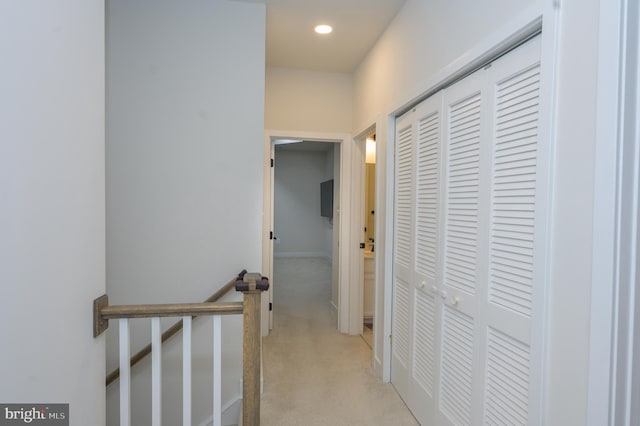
323,29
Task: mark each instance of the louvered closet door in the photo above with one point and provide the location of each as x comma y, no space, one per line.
469,252
463,281
492,279
423,378
402,344
515,257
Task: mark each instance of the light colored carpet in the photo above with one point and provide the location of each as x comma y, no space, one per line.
313,375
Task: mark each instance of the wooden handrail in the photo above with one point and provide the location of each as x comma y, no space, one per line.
171,310
103,312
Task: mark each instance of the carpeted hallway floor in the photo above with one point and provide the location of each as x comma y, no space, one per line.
313,375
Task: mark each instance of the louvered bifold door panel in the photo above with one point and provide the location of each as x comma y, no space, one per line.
426,259
512,292
404,197
462,286
456,366
427,191
513,195
401,321
462,198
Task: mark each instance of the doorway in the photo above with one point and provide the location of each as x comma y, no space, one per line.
369,221
346,243
306,198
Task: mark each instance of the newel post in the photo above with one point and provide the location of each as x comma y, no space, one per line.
252,285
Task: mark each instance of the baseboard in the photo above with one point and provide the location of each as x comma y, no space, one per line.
232,409
377,367
230,412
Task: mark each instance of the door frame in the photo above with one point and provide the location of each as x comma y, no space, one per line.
348,239
614,353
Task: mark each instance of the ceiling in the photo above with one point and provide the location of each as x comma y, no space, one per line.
357,25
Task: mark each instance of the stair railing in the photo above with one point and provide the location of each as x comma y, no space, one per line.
171,331
251,285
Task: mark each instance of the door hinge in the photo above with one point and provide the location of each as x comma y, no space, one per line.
361,245
272,162
271,235
270,306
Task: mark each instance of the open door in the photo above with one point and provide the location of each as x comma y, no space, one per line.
268,238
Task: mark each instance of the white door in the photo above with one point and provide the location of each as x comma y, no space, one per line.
462,285
426,268
267,240
267,299
402,344
417,271
515,258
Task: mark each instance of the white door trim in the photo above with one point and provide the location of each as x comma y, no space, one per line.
348,240
614,296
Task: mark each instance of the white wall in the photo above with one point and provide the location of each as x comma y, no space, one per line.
308,101
185,116
424,37
52,222
300,229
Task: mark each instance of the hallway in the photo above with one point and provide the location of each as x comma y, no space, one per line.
313,375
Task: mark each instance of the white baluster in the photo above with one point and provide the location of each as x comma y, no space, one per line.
186,371
156,375
217,370
125,374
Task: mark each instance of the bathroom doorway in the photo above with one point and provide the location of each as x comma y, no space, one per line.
369,220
